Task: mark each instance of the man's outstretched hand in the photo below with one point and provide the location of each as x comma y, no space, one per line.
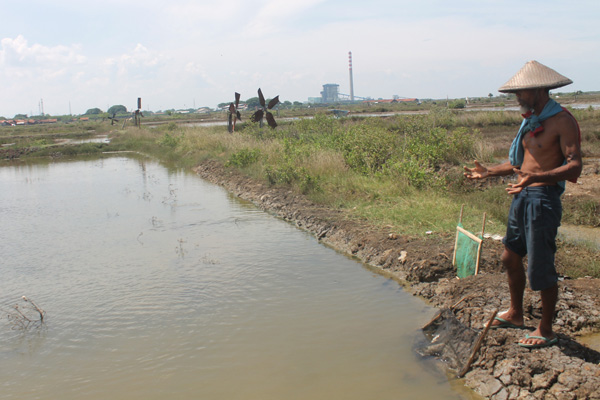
479,172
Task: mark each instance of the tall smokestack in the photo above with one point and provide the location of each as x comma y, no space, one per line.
351,79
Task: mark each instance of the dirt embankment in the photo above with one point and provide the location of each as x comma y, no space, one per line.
502,370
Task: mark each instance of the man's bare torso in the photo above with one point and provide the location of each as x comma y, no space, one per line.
543,152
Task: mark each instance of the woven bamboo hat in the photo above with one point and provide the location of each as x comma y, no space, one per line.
535,76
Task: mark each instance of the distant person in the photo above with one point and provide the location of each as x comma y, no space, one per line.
545,153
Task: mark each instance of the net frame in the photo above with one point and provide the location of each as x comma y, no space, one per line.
464,244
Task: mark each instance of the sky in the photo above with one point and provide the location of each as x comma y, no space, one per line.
76,55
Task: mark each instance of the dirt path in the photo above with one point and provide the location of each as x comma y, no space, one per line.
502,370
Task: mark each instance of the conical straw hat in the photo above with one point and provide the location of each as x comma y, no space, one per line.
535,76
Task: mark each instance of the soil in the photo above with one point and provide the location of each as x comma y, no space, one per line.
501,369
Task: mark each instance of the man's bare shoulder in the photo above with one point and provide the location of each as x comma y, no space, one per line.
563,122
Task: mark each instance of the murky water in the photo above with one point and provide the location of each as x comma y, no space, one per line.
158,285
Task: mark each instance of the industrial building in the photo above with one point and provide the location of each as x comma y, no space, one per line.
330,93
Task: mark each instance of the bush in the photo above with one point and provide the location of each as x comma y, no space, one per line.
243,158
457,104
367,147
169,140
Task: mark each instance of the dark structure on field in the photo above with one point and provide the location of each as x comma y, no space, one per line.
233,114
264,111
138,113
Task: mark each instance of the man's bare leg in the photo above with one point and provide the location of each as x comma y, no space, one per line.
516,285
549,299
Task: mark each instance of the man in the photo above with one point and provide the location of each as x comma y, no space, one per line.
545,153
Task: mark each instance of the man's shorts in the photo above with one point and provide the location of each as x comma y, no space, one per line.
533,222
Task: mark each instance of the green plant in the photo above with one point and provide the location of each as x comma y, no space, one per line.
243,158
309,183
367,147
285,174
581,212
169,140
457,104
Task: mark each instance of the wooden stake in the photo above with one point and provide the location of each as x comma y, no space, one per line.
458,302
452,307
483,225
477,345
432,321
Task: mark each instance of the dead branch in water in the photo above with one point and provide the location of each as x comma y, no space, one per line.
25,316
39,310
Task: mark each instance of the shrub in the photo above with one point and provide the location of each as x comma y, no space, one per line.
367,147
458,103
243,158
169,140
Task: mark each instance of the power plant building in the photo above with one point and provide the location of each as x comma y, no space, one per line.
330,93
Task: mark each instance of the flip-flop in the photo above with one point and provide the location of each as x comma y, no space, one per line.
546,342
506,324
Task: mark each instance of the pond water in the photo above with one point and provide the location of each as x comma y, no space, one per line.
157,284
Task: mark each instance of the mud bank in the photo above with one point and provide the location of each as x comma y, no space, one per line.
502,369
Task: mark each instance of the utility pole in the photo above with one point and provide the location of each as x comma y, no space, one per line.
351,77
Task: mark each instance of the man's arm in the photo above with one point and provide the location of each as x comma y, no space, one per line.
481,172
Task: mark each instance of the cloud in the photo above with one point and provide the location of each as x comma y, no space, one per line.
139,62
21,60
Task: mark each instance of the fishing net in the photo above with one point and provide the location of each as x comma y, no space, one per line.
466,252
448,340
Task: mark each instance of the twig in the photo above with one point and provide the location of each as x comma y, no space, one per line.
440,313
39,310
477,345
427,325
22,315
460,301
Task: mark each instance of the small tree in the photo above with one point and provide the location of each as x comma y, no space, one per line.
117,109
93,111
458,103
253,102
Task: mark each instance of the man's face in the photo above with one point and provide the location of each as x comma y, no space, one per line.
527,98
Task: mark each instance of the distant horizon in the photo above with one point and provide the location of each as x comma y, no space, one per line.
129,110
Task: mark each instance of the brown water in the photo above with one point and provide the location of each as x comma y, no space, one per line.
158,285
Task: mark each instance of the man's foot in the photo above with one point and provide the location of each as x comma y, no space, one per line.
507,320
536,342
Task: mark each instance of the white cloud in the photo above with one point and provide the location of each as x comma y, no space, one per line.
140,60
19,59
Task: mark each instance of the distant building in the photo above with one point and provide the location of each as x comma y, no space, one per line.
330,93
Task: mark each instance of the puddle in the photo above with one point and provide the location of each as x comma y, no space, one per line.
592,341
